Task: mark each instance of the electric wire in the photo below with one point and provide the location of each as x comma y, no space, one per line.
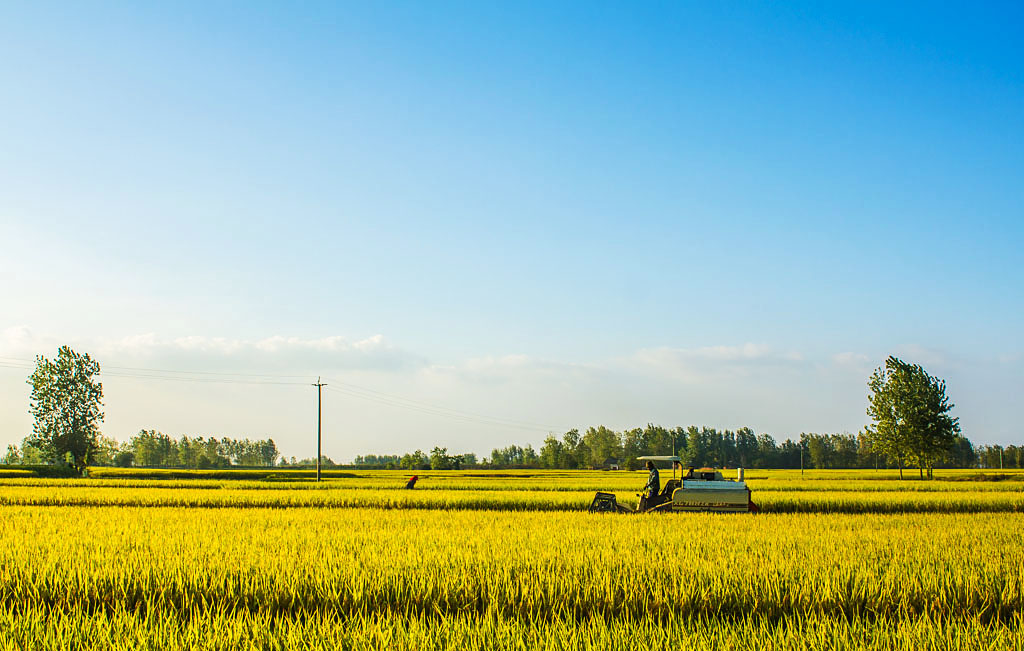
458,412
493,422
334,385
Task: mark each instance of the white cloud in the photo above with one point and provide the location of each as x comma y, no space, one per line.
505,364
850,359
1009,358
515,369
748,352
204,353
17,341
916,354
703,363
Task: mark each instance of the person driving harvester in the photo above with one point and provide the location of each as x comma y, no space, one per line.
650,494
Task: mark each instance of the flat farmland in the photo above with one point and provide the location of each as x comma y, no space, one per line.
528,490
507,560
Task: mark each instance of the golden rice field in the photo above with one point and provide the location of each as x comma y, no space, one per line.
508,561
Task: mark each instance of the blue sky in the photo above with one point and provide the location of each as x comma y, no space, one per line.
560,213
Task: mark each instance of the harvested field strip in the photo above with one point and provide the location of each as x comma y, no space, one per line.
340,498
621,482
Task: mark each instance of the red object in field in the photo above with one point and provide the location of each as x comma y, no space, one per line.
754,508
412,482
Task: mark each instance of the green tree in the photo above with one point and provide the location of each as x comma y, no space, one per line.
415,461
844,450
530,458
105,452
634,444
767,455
268,452
211,455
66,403
701,446
746,446
910,415
153,448
30,454
963,454
189,452
866,455
658,440
817,449
124,458
571,446
439,459
552,453
13,456
601,443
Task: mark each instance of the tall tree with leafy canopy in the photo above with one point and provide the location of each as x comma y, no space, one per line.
66,403
910,413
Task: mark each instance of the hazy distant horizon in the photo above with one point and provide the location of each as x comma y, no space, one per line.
561,216
381,399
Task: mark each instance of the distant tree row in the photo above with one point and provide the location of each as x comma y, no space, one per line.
910,425
438,459
152,448
697,446
309,462
997,456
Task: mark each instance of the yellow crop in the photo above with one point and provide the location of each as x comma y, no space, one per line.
509,564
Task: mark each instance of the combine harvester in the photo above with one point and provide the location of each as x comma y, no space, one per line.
698,491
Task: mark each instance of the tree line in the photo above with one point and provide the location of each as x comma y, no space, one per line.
438,459
598,447
150,448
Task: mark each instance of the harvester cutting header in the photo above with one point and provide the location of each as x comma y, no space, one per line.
697,490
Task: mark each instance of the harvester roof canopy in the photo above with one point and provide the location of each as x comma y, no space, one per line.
657,458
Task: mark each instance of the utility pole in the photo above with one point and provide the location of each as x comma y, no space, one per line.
319,388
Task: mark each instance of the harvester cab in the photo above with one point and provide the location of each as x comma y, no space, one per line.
697,490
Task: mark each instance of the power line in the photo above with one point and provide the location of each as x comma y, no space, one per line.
14,364
216,377
482,420
216,373
342,388
466,418
17,360
143,376
458,412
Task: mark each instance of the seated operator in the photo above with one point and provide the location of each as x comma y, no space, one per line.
653,486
